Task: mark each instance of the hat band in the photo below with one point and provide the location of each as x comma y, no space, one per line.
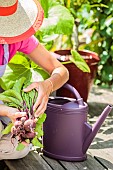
5,11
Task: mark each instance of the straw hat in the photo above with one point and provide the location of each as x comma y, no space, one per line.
19,19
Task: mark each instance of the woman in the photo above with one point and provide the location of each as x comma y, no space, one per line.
19,20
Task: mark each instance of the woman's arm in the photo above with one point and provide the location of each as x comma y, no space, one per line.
58,76
59,73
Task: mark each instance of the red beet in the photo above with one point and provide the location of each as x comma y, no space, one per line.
23,119
29,135
24,128
13,130
29,125
17,123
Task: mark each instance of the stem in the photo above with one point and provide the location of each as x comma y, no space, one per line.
19,109
24,105
34,99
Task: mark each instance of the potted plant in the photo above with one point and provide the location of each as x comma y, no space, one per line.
56,43
80,79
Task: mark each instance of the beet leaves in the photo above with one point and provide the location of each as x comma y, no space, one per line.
27,129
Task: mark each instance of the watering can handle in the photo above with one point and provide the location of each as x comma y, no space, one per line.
75,92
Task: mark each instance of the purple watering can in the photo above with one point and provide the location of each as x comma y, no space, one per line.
67,135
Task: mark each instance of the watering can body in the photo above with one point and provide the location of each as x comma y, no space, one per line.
67,135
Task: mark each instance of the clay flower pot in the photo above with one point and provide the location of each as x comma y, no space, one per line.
82,81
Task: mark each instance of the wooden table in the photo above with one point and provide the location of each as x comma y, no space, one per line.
97,159
99,155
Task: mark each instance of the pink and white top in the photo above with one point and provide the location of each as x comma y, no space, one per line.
25,46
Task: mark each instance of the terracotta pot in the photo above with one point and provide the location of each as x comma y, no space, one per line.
80,80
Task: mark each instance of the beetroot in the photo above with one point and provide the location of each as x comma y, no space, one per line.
14,130
17,124
29,125
29,135
25,127
23,119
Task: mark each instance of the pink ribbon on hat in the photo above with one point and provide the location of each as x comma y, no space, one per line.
5,11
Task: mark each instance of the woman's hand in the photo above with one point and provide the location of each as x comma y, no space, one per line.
44,89
14,113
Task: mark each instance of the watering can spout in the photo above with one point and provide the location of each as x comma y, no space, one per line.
93,131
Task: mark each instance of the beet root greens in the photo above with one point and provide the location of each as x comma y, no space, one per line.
26,129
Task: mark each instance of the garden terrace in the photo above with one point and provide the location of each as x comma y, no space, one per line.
100,153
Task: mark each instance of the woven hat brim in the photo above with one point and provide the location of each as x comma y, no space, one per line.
27,33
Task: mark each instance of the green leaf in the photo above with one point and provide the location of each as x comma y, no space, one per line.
27,141
41,118
13,105
20,147
107,73
32,93
15,72
26,99
39,130
104,57
2,84
41,73
5,98
39,123
18,85
13,93
50,38
59,21
20,59
109,31
8,99
79,61
36,142
7,130
44,5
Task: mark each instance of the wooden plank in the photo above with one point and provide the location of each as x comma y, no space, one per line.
89,164
33,161
68,165
3,166
53,163
103,155
102,146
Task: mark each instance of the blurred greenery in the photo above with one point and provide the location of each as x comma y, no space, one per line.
78,25
92,31
97,17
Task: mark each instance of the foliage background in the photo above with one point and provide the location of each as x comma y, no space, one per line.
96,15
65,22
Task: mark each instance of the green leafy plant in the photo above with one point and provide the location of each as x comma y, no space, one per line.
28,129
57,21
21,66
76,58
97,15
103,34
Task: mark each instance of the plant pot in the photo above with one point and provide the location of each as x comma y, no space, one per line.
82,81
